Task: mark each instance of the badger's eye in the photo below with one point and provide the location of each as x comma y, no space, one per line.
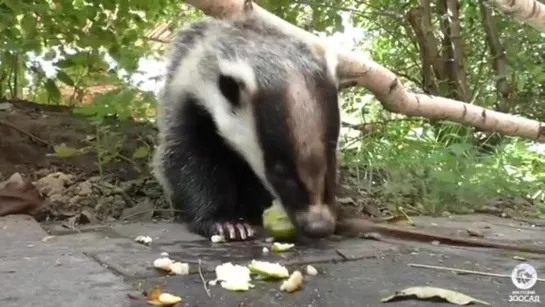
230,88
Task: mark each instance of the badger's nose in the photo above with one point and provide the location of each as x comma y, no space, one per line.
319,229
316,222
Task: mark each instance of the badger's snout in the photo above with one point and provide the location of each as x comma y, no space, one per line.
318,221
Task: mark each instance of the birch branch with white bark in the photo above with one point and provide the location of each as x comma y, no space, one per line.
355,68
531,12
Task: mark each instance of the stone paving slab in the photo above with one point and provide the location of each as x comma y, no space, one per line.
60,281
99,268
186,247
140,264
489,226
361,283
54,273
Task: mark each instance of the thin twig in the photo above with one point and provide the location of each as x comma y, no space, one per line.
32,136
338,252
150,210
203,281
462,271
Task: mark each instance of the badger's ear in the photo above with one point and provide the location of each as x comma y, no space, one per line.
230,88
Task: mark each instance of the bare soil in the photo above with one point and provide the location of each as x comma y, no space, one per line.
75,185
29,132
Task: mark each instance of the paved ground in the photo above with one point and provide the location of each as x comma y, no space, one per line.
100,267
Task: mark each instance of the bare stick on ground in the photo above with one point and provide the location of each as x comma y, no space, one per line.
462,271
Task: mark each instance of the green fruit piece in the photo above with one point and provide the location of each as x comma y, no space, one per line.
277,223
281,247
236,285
268,269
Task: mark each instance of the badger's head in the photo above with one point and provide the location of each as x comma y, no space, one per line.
276,102
285,119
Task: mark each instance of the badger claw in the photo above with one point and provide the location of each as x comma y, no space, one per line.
234,231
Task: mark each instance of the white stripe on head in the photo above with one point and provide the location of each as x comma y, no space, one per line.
240,71
237,128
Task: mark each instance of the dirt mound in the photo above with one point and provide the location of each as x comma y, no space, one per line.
30,131
35,138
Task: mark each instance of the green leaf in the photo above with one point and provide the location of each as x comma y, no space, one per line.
65,63
28,23
65,78
63,151
141,153
86,110
52,90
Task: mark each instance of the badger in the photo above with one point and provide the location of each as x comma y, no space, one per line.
248,114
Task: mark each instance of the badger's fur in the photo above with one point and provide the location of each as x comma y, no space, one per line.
247,114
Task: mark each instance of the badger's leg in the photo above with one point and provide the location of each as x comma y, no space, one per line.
212,185
219,199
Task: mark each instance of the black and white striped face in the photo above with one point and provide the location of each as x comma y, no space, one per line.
274,99
298,128
288,132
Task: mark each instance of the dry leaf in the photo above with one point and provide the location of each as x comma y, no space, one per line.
81,218
141,153
18,196
63,151
426,293
474,233
345,200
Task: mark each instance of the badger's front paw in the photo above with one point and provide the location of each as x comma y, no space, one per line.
234,230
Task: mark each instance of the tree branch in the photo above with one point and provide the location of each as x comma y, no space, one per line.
531,12
354,67
499,60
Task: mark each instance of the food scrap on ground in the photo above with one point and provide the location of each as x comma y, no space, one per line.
163,263
294,283
179,268
277,223
311,270
146,240
157,297
268,269
217,239
168,265
233,277
281,247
